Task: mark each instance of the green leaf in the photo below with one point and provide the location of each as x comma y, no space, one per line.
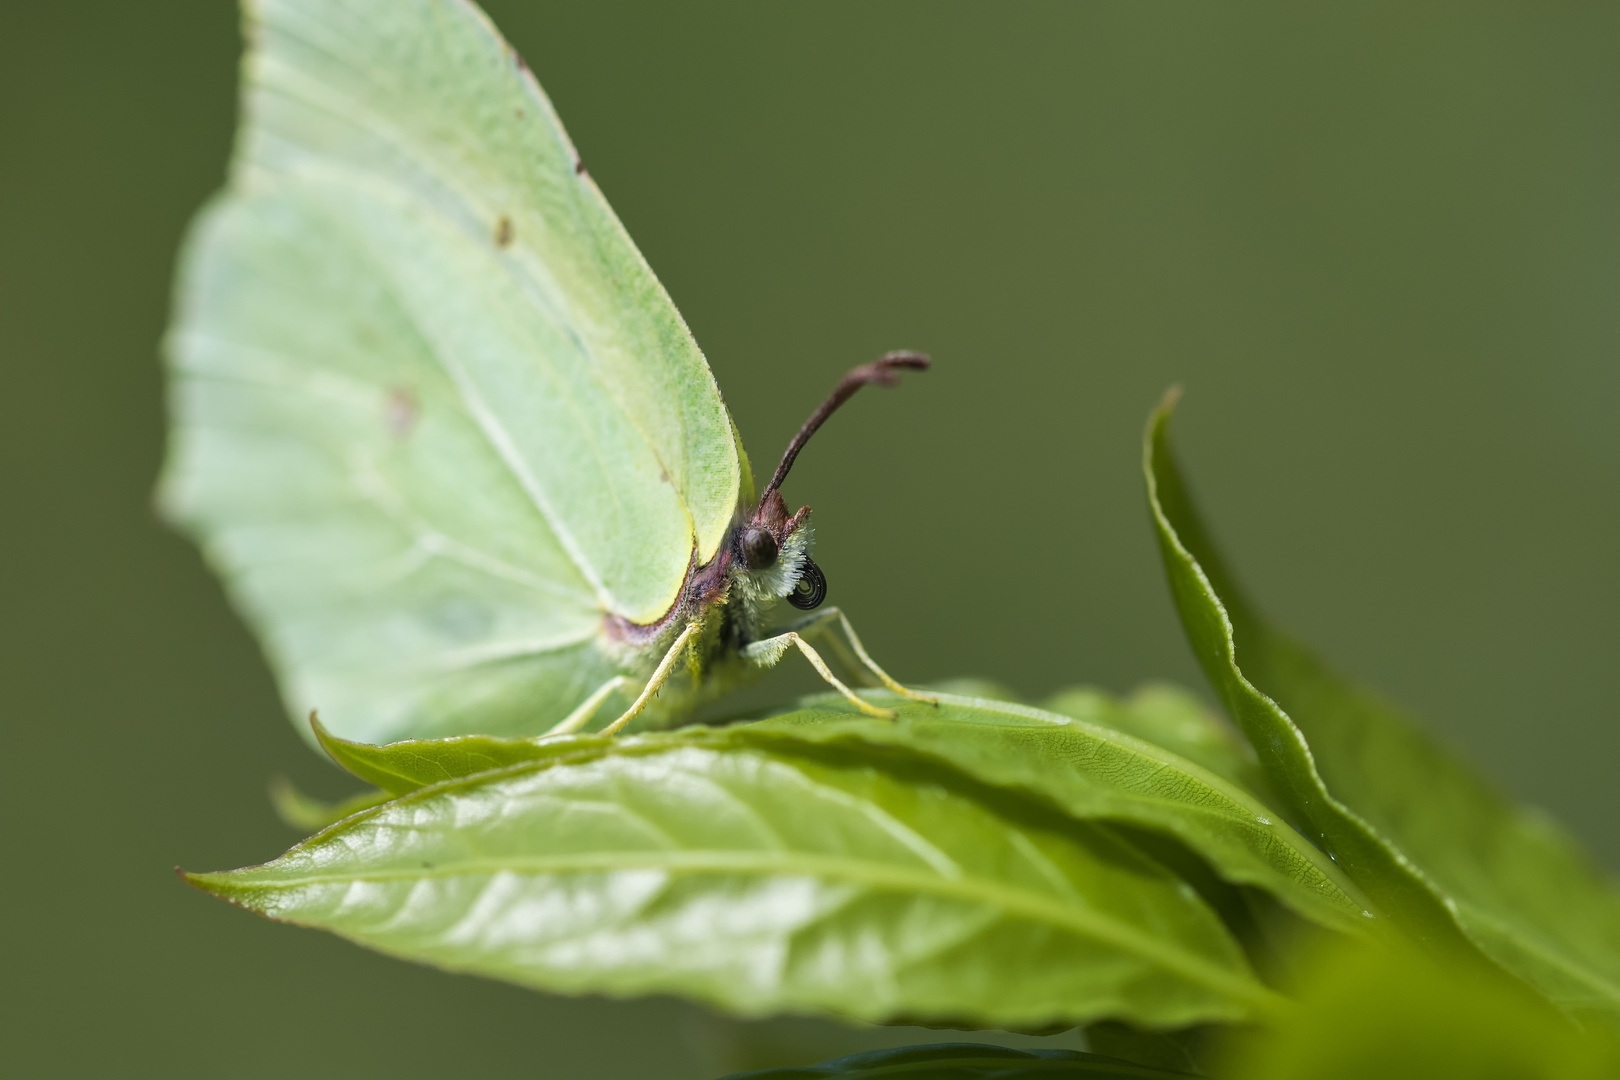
1414,826
975,686
762,882
1174,1051
403,767
1170,717
1392,1015
1092,772
307,813
1085,770
966,1061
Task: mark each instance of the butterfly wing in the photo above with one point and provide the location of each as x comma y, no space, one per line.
433,416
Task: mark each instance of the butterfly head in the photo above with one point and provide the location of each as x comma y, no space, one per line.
773,547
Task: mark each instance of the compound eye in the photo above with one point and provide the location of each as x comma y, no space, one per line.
811,588
758,549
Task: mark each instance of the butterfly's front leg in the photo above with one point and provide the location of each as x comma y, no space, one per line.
659,676
587,708
767,652
824,622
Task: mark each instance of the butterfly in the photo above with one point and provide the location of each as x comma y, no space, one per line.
439,428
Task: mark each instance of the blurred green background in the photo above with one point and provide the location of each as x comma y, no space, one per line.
1378,242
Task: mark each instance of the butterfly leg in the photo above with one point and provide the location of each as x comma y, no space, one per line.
822,623
658,677
587,708
767,652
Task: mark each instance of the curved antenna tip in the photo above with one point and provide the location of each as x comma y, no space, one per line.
884,371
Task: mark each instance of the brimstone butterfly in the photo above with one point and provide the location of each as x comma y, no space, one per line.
435,421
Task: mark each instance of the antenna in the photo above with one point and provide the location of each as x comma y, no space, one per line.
884,371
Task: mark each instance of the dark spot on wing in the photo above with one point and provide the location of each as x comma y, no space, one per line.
579,167
403,411
503,231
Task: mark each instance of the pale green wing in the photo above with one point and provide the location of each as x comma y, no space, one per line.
434,419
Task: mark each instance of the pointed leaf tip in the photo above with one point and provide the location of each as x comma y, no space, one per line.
1172,398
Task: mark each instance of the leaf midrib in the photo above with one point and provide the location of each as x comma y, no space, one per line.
1083,922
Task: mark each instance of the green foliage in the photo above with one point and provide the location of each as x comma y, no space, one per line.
985,863
307,813
1172,719
1394,1015
766,879
1447,858
402,767
1085,770
1091,771
1392,882
1126,863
